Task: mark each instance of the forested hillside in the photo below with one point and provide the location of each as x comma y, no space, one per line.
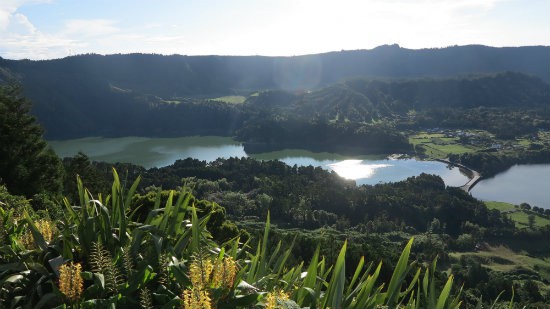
156,95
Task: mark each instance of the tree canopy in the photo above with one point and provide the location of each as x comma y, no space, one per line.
27,165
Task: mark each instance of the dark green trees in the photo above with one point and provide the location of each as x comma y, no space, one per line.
27,165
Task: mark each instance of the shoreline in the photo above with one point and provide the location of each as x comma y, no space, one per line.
474,178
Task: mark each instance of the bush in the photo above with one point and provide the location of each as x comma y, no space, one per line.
465,242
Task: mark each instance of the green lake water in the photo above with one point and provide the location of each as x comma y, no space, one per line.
158,152
150,152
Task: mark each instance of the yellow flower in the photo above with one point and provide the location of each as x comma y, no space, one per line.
224,273
70,281
270,301
45,227
196,299
229,271
27,240
275,298
199,273
206,274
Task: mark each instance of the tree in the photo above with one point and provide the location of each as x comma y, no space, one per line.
91,176
27,165
525,206
531,221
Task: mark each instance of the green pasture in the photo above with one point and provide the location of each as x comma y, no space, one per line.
436,145
502,206
232,99
175,102
503,259
519,216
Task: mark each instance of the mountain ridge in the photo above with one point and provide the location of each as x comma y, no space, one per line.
127,94
201,75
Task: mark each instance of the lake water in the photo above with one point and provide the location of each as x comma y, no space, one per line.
520,183
150,152
158,152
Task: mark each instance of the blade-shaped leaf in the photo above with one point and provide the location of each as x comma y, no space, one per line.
334,294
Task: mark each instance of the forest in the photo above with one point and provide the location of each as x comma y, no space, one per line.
73,95
238,233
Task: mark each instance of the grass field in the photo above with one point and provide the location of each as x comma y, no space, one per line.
502,206
523,142
436,145
232,99
519,216
503,259
522,219
171,101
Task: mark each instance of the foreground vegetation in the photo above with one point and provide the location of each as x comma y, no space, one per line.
95,255
312,207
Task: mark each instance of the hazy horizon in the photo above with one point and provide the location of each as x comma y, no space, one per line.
275,56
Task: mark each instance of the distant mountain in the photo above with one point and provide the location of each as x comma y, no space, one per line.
105,95
365,100
178,75
373,111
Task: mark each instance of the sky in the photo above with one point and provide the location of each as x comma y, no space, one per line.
47,29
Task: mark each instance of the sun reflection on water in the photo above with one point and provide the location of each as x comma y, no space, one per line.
355,169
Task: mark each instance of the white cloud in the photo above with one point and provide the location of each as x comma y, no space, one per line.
21,24
289,27
20,38
9,7
90,27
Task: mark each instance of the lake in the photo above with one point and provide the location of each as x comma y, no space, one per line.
158,152
150,152
521,183
518,184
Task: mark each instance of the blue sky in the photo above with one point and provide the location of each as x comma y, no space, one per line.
45,29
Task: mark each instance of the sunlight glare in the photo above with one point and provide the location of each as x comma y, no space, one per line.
355,169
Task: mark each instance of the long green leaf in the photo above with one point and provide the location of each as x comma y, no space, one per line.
115,196
412,284
195,230
428,284
444,293
334,295
356,274
366,292
131,192
309,281
425,282
281,261
456,302
262,263
398,275
511,304
252,275
164,224
361,282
